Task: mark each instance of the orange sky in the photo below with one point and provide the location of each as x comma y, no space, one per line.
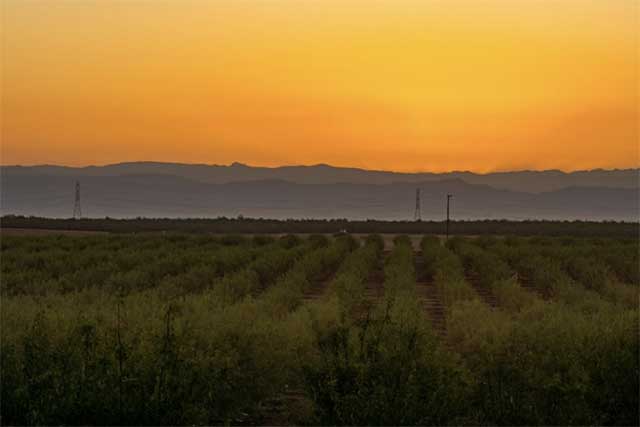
435,85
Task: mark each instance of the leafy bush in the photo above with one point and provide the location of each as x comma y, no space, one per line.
388,371
348,284
286,295
589,272
184,330
511,297
388,367
446,271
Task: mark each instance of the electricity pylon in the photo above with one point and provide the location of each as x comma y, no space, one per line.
77,210
416,213
449,196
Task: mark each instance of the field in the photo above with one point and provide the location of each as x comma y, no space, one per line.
177,329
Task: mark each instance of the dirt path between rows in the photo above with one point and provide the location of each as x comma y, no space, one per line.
527,285
485,293
430,297
373,286
319,287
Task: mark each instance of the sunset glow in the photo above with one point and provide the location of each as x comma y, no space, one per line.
479,85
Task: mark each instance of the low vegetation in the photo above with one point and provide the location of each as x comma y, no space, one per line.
186,329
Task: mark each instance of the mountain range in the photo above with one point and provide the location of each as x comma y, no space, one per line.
153,189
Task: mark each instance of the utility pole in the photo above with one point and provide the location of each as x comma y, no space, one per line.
77,211
416,214
449,196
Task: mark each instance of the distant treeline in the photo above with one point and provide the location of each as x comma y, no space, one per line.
260,225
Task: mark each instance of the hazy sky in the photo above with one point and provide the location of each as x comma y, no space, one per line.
407,85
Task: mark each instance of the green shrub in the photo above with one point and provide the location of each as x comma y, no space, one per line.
511,297
388,370
591,273
183,330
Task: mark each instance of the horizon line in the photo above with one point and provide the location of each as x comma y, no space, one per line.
321,164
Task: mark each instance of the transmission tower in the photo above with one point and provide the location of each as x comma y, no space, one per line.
77,211
416,214
449,196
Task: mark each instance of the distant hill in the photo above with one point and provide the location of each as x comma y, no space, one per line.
525,181
138,189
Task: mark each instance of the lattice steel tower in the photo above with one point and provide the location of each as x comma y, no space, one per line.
449,196
416,213
77,210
